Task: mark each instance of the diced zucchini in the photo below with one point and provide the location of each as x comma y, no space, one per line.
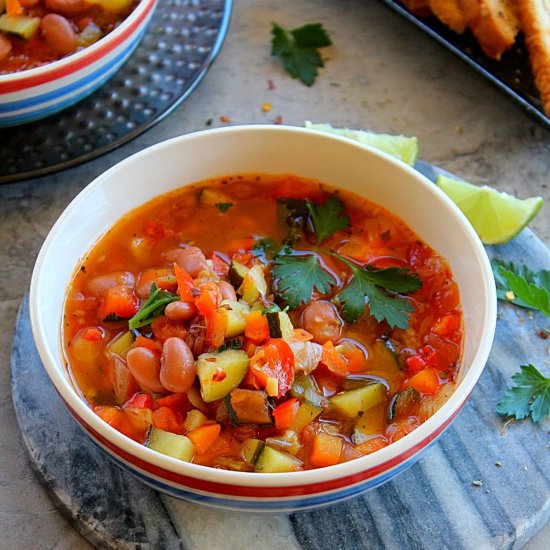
194,419
167,443
370,423
405,403
288,442
248,407
273,461
306,414
236,274
353,403
221,372
280,325
236,314
121,343
90,34
213,197
251,450
385,351
305,388
21,25
254,285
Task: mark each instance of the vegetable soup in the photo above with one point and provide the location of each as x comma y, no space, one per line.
37,32
263,323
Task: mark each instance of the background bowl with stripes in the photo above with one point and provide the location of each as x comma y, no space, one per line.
330,159
37,93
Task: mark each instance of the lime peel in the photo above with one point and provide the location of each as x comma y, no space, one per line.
497,217
402,147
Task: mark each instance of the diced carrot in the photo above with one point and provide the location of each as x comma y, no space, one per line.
285,413
446,325
415,363
186,285
371,445
215,329
333,360
326,449
426,381
209,299
257,328
119,301
13,7
169,420
164,278
140,400
302,335
357,362
249,346
93,334
204,437
143,342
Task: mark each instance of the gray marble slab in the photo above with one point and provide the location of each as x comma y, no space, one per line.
480,486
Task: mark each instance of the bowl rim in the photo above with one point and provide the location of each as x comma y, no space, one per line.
420,437
76,61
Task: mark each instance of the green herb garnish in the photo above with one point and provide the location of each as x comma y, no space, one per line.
266,247
328,218
223,206
235,343
298,50
297,275
521,286
152,308
372,284
113,318
529,397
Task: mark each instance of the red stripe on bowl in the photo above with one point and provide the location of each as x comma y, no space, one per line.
90,56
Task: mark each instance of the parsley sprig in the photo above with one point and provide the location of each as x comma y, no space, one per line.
529,397
522,286
298,49
152,308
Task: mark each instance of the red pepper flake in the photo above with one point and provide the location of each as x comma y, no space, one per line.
219,375
270,84
542,334
211,359
278,119
225,119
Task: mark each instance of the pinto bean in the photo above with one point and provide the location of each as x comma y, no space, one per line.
180,311
322,320
67,7
5,47
227,290
177,366
58,33
145,368
100,284
191,259
196,334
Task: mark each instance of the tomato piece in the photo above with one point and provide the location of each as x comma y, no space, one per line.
274,360
220,265
215,329
426,381
169,420
336,363
446,325
132,422
285,413
177,401
119,301
186,285
140,401
209,299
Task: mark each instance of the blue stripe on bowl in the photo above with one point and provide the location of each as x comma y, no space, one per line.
105,72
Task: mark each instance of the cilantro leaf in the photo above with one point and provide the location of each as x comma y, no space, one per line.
530,395
297,49
223,206
152,308
373,284
328,217
297,275
235,343
521,286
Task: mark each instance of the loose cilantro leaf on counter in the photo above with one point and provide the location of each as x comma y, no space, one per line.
298,49
152,308
529,397
373,283
521,286
328,217
296,277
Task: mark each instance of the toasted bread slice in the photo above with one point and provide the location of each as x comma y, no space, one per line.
456,14
535,22
418,7
496,26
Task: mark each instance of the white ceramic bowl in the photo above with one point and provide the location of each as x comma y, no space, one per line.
36,93
268,149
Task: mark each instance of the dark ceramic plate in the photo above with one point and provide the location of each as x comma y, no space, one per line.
181,42
512,74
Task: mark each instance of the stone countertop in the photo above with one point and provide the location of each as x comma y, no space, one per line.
381,73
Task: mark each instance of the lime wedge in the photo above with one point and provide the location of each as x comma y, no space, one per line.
496,217
402,147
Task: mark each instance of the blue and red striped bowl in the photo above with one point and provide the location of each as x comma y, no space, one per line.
37,93
273,150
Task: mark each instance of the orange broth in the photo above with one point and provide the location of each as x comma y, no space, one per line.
230,219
